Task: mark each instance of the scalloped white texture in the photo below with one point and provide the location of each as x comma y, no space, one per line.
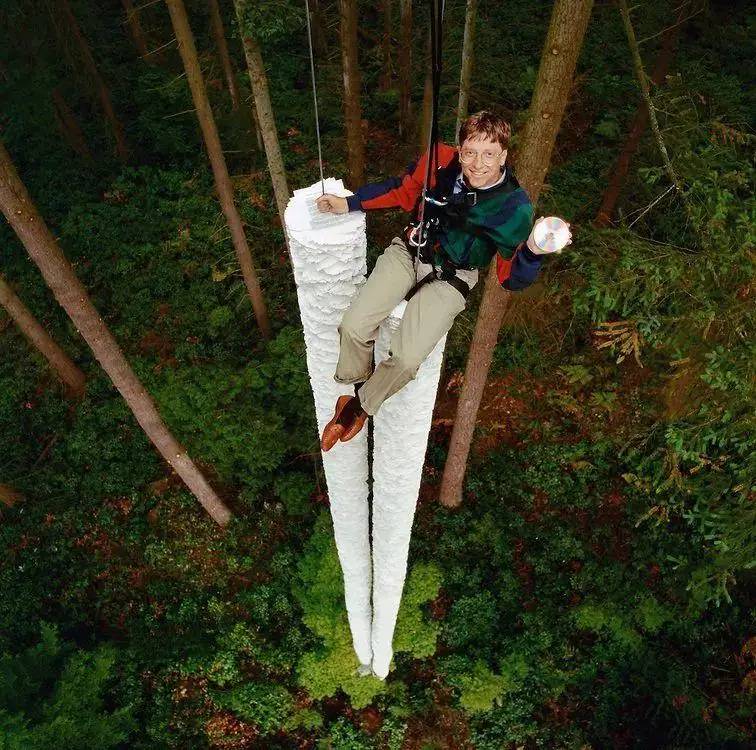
400,439
328,256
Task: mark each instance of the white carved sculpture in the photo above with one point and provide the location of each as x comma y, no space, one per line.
328,256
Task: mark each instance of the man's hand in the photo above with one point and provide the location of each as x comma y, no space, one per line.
333,204
539,251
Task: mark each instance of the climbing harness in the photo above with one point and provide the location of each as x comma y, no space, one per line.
315,95
445,209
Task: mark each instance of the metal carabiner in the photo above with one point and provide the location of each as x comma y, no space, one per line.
412,237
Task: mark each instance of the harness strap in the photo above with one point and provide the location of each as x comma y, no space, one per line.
444,273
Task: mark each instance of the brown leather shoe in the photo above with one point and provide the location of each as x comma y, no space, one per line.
334,429
356,426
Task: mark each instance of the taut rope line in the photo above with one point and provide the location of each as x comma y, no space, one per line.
315,95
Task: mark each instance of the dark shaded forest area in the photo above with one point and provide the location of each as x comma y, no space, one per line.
594,588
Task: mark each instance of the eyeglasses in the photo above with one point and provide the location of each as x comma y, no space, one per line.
468,156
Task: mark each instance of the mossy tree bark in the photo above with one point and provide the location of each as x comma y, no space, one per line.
64,367
43,249
468,53
638,126
425,117
135,28
319,41
223,185
265,119
219,35
569,21
69,127
386,69
103,92
352,109
642,79
404,65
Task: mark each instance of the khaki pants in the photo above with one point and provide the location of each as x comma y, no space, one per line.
428,316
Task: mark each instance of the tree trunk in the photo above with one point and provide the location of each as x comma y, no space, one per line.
219,34
319,42
264,112
102,90
386,76
640,120
135,27
9,497
569,20
223,185
352,110
468,52
42,248
404,62
427,113
72,377
640,75
69,127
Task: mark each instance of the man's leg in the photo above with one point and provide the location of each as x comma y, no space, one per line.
428,316
387,285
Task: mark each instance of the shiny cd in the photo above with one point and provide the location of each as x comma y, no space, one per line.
551,234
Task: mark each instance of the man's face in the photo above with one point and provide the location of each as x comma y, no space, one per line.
481,160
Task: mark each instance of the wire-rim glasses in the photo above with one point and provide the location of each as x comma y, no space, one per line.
489,158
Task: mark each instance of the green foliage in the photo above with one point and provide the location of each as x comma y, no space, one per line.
414,634
320,592
267,706
294,490
579,571
52,696
225,425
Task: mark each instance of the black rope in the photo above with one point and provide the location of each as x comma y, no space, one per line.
436,8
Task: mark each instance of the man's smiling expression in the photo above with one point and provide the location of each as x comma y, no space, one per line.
477,173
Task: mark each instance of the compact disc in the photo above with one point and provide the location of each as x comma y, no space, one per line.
551,234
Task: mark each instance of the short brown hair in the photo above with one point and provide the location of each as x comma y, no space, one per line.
487,124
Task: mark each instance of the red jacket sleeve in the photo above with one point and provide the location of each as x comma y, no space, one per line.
399,192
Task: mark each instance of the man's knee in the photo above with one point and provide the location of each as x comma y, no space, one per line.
353,328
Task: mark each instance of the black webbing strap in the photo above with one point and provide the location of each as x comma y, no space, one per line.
447,273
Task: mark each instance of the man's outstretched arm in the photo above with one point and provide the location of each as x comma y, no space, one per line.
395,192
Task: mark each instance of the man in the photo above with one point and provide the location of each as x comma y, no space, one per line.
478,210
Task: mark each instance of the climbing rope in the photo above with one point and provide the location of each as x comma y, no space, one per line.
436,7
315,95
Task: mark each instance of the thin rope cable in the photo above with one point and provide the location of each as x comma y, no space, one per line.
315,96
436,19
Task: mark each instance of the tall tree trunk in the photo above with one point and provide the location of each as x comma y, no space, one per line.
569,20
427,113
102,90
69,127
135,27
71,376
264,111
352,110
42,248
219,34
640,74
9,497
386,73
404,63
468,52
223,185
640,120
319,43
